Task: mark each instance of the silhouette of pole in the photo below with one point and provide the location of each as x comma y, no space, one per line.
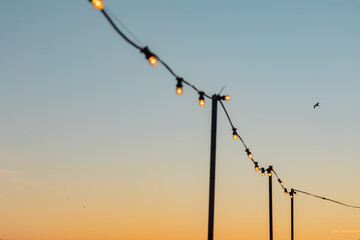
215,99
292,213
270,171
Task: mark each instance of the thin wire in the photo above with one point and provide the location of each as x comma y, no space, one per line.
118,30
327,199
232,124
124,26
167,67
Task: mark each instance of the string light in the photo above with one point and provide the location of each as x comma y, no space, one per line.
201,99
98,4
270,171
179,86
235,135
249,153
149,56
153,60
256,166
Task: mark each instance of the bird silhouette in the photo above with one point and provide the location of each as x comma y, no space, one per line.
316,105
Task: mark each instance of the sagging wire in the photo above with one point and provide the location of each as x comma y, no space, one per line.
154,59
149,55
323,199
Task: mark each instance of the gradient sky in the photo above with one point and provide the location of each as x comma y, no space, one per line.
95,144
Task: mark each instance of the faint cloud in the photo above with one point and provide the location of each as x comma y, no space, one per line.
346,231
14,177
6,172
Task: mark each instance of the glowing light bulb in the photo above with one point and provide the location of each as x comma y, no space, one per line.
262,172
281,183
296,193
285,192
227,97
256,167
98,4
291,196
149,56
323,199
179,86
201,99
152,60
235,136
270,174
249,153
179,91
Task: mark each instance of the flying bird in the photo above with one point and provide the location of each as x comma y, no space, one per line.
316,105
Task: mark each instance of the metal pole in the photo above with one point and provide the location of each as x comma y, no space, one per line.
215,98
292,213
270,203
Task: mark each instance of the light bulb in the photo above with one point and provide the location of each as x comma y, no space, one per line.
227,97
285,192
281,183
249,153
152,60
323,199
149,56
179,90
291,196
98,4
179,86
235,136
201,99
256,167
262,172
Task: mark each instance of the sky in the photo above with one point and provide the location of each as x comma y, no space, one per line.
95,144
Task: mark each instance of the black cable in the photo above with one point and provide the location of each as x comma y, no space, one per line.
232,124
118,30
124,26
327,199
